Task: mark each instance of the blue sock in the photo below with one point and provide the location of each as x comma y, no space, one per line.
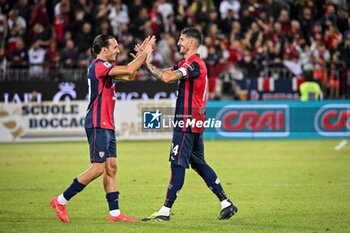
176,182
73,189
113,200
209,176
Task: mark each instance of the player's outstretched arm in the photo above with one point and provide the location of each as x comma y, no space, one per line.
128,72
165,75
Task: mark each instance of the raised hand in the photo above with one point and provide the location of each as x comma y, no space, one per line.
149,45
140,48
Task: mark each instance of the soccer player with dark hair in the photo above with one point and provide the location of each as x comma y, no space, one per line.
187,143
99,123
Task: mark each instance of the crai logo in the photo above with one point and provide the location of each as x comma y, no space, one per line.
333,120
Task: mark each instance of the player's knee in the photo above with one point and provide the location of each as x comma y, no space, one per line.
98,170
111,170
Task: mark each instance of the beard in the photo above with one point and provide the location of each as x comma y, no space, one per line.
183,50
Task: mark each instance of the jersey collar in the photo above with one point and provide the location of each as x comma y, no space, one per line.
192,57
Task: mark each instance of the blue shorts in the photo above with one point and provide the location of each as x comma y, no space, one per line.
102,144
187,148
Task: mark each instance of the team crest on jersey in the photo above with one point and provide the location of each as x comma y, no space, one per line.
107,64
101,154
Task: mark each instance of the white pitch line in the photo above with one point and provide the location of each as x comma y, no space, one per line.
341,145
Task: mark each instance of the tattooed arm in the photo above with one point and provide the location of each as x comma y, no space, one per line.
165,75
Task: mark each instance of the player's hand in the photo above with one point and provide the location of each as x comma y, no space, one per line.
149,45
139,48
149,41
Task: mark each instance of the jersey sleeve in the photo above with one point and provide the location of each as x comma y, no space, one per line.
192,70
175,67
102,69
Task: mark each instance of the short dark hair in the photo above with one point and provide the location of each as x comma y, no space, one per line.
193,33
100,41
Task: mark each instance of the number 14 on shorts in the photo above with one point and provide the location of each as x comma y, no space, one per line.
174,149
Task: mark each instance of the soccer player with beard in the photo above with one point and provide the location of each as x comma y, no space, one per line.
187,143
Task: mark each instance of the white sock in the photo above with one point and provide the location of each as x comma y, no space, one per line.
61,200
164,211
114,212
225,203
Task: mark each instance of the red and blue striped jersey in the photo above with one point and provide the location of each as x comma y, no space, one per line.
101,96
192,94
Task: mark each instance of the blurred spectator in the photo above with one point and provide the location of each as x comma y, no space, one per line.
83,5
3,27
100,14
329,16
84,39
53,60
185,15
124,36
246,19
236,32
15,20
39,14
12,39
284,20
332,37
335,69
118,15
23,9
170,26
85,58
343,20
41,34
310,90
156,19
69,55
321,58
165,8
202,9
62,18
141,25
167,47
305,58
77,24
227,5
36,57
53,57
18,58
134,8
63,9
274,52
104,28
272,8
345,51
306,22
226,23
3,60
249,64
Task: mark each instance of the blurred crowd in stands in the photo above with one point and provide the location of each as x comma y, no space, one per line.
244,39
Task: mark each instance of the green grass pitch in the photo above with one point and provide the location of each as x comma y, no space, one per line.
278,186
